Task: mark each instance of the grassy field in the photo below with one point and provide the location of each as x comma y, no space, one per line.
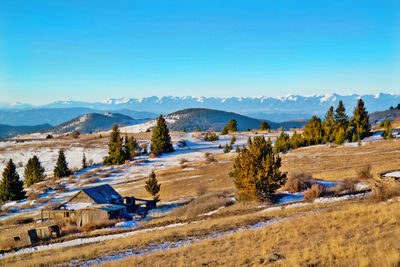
356,232
337,163
353,234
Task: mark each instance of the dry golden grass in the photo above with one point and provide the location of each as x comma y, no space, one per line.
338,163
355,234
232,218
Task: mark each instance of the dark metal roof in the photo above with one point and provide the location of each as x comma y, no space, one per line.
102,194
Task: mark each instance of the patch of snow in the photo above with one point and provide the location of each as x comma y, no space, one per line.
213,211
393,174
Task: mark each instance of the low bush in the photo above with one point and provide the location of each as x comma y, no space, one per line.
209,157
34,195
384,189
348,185
90,181
365,173
314,192
203,204
97,225
297,182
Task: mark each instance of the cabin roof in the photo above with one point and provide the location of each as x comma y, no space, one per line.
102,194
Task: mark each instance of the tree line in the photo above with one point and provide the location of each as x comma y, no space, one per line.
336,127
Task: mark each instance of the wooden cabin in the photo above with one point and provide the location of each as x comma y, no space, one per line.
93,204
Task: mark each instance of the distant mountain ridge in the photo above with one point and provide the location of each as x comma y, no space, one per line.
55,116
290,107
7,131
94,122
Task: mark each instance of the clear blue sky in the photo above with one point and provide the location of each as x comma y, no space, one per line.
92,50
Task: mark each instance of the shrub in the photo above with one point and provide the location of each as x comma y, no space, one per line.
49,136
203,204
314,192
365,173
209,157
33,196
297,182
90,226
91,180
183,161
348,185
75,134
385,188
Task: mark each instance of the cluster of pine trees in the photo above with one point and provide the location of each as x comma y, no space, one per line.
120,149
11,187
334,128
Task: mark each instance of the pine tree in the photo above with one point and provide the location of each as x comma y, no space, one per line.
132,145
227,148
361,127
329,126
387,132
264,126
313,131
161,140
282,143
34,172
224,130
297,140
61,168
256,171
153,187
11,187
233,140
84,164
341,124
232,125
116,153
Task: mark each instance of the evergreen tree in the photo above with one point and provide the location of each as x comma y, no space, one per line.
264,126
161,140
34,172
153,187
282,143
132,146
313,131
361,127
297,140
237,149
84,163
232,125
341,124
116,153
11,187
224,130
387,132
227,148
61,168
233,140
256,171
328,124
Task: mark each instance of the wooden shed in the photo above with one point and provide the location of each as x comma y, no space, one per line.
100,212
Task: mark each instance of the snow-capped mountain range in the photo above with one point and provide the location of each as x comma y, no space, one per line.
290,107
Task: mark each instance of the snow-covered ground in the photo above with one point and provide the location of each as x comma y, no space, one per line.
393,174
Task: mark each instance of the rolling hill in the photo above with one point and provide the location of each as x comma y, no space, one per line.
94,122
8,131
210,119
